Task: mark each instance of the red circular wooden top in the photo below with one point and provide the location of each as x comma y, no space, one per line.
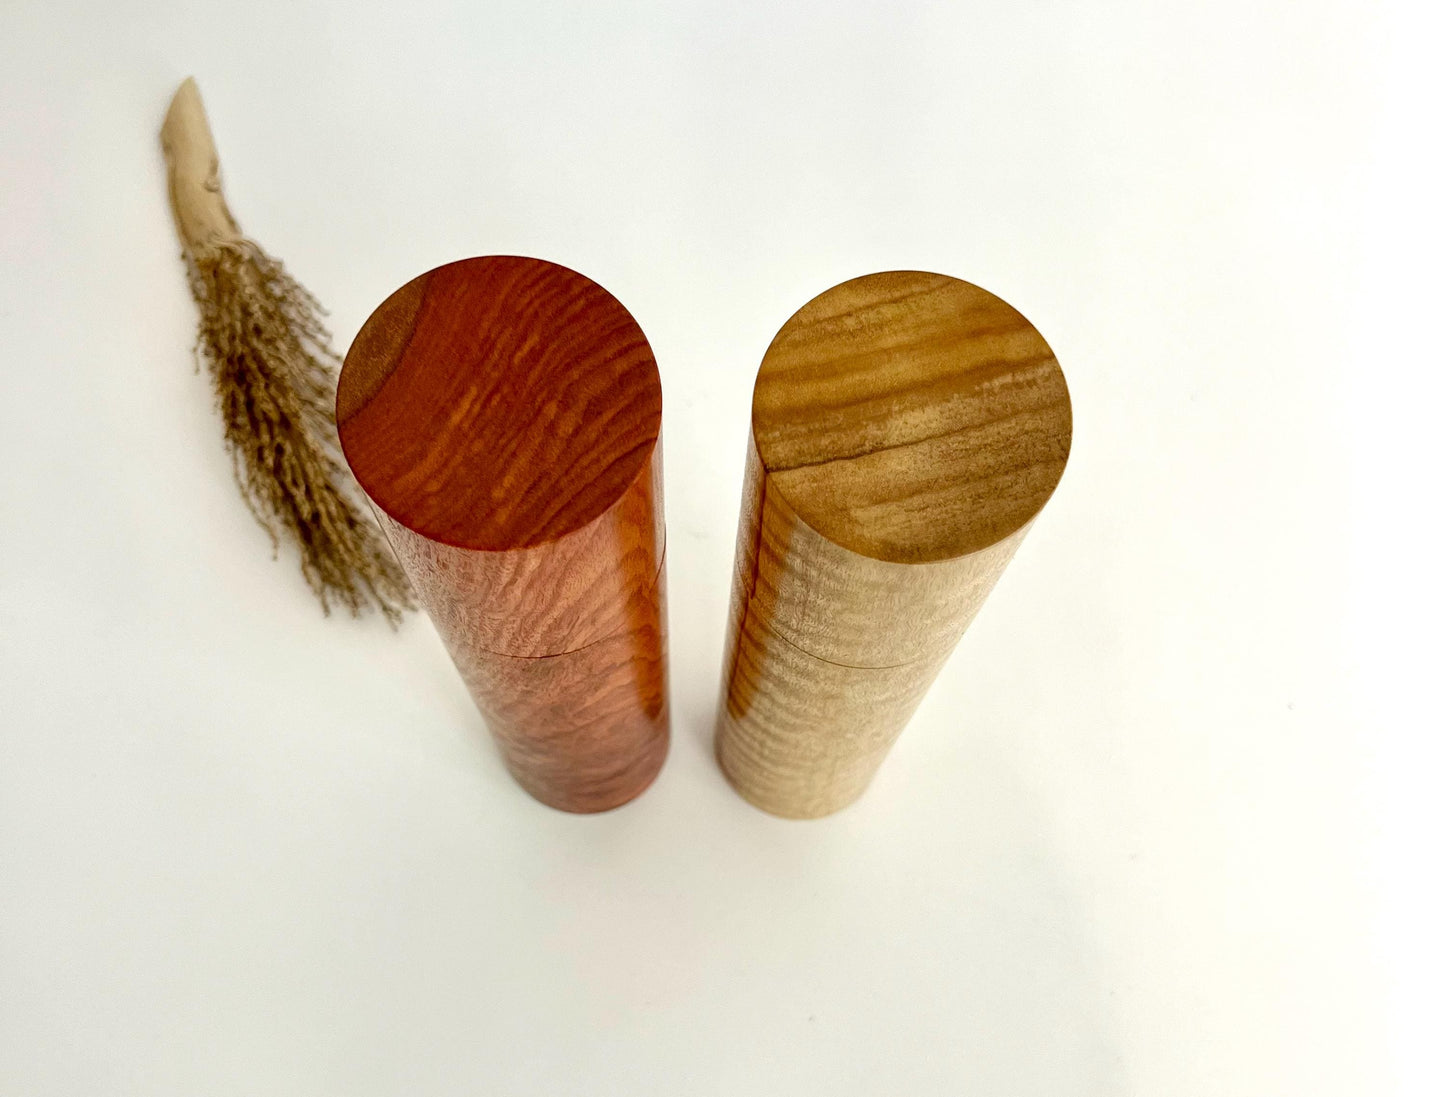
498,403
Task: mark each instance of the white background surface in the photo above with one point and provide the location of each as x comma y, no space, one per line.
1167,825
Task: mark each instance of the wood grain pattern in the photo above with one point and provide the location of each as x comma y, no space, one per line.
560,720
503,414
907,429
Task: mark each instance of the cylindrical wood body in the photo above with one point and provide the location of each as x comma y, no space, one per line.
502,414
907,428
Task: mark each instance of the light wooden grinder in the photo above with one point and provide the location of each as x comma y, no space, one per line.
502,414
906,430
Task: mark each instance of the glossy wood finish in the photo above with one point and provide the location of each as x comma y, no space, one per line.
503,416
907,429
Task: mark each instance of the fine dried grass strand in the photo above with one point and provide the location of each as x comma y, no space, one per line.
270,357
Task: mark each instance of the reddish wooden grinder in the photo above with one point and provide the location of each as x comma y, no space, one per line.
503,415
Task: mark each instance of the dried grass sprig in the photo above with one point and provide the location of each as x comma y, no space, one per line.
269,355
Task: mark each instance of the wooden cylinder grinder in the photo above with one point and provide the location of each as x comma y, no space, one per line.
906,430
503,415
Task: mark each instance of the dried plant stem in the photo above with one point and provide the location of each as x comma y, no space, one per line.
269,356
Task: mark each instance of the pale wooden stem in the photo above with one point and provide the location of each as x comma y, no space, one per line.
194,174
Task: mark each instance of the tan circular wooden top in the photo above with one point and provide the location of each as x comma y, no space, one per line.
911,417
498,403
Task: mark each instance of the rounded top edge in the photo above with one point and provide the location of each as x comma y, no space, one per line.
498,403
911,417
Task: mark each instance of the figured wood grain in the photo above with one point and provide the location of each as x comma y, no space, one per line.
499,403
502,414
911,417
560,720
907,429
